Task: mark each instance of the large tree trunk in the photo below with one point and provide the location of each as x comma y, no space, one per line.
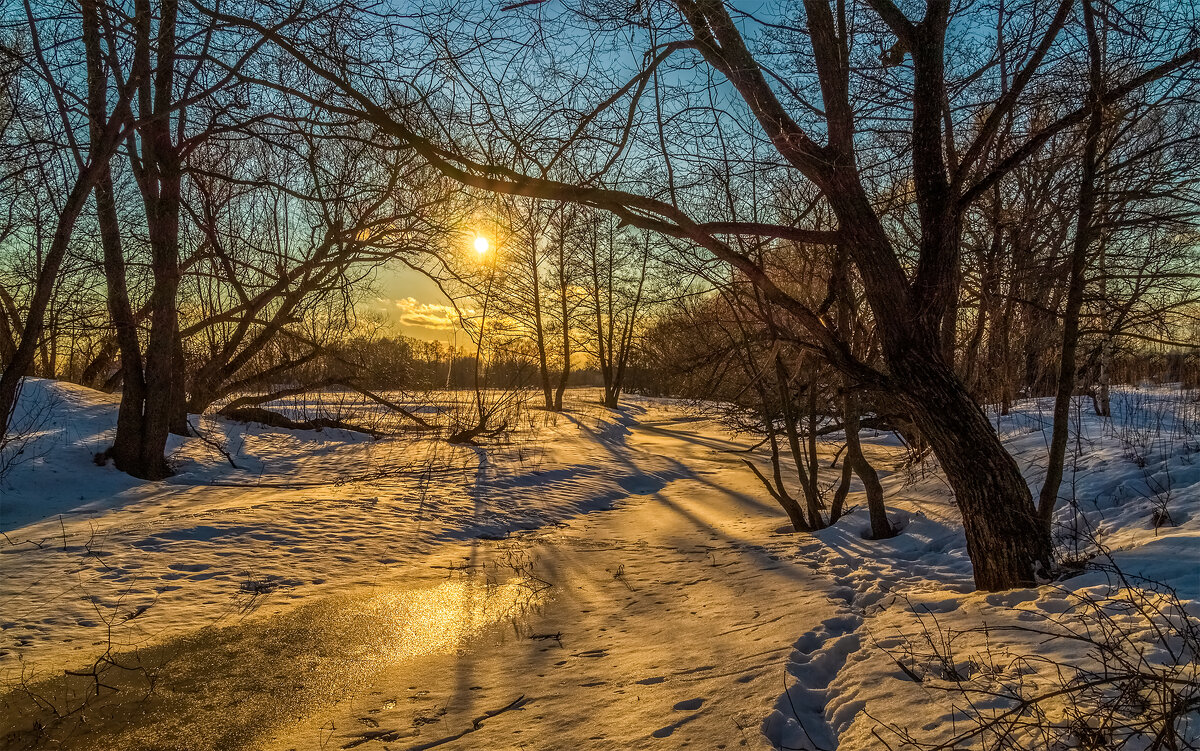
1008,545
161,353
1006,542
159,174
126,449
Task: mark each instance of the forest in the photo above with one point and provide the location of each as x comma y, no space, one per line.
355,335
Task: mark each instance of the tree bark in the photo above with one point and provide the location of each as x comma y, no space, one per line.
158,172
126,448
1007,544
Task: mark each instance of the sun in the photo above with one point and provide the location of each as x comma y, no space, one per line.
481,245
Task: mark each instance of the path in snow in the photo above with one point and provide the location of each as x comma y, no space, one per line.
669,623
673,627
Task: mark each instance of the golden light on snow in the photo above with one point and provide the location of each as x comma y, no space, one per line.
481,245
404,624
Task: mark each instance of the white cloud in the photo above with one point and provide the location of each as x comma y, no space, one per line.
427,315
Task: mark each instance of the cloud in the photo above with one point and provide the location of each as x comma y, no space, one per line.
427,315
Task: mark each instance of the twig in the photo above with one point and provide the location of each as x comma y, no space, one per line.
517,703
213,444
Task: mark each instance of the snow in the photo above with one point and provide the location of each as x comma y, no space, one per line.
294,513
404,593
911,597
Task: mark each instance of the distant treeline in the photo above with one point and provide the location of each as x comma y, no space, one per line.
406,363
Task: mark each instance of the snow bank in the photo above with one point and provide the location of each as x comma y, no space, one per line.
917,659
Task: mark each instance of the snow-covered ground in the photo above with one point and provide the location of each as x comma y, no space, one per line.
916,659
333,591
301,510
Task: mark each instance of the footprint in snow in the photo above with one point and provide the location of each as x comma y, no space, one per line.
187,566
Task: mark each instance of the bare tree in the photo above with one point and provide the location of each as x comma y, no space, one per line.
291,225
90,161
616,277
526,224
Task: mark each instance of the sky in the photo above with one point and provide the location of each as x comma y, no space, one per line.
412,304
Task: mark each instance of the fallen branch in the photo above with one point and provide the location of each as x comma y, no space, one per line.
276,420
392,406
480,430
517,703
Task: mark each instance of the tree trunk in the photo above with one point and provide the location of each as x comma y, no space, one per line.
1104,402
126,449
1084,230
566,354
843,489
603,354
159,178
1007,544
881,528
539,329
23,356
803,467
544,368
